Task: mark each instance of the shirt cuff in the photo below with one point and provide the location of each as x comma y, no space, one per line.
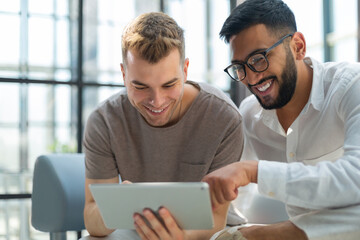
272,179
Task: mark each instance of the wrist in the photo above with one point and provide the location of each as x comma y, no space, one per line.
252,170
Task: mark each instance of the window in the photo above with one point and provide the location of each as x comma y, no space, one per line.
344,39
330,28
57,63
60,58
310,23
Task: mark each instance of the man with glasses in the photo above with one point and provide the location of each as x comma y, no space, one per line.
301,125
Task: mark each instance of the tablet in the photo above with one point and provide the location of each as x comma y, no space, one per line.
188,202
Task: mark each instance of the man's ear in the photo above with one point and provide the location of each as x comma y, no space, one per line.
299,45
123,71
186,66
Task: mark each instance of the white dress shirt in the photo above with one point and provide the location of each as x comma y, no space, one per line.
315,165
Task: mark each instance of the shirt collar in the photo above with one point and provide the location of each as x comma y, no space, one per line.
316,98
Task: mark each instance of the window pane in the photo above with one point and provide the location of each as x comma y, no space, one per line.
107,58
62,44
41,100
52,110
63,104
49,54
107,49
11,212
94,95
113,77
40,142
207,53
62,75
346,49
220,52
9,44
104,23
345,16
62,8
41,46
45,140
9,149
90,51
183,11
10,6
52,128
310,22
344,38
41,6
116,10
9,113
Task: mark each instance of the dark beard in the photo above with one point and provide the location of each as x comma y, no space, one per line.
287,87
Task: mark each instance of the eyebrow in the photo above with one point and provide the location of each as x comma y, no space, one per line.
136,82
260,50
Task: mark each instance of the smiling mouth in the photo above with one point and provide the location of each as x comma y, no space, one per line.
156,111
264,87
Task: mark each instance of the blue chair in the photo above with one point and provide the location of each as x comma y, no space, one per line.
58,195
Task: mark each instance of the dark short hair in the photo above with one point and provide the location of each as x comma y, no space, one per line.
274,14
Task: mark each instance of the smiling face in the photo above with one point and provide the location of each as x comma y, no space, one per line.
274,87
156,89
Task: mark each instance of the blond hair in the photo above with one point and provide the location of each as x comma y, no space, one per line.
153,36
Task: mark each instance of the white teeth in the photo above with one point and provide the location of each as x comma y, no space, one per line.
156,111
264,88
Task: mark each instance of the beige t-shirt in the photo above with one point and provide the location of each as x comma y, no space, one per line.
118,141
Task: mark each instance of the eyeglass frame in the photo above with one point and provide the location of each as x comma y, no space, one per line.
264,53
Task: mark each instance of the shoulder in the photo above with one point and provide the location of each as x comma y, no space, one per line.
336,80
336,74
115,100
210,89
212,105
213,93
341,69
110,107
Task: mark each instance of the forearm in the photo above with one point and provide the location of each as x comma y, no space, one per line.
326,185
279,231
93,221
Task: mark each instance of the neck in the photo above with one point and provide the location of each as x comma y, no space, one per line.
189,95
293,108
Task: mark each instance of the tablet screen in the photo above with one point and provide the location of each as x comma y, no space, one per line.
188,202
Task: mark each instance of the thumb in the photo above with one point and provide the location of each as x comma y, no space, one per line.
126,182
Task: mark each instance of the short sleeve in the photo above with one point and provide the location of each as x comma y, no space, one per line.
99,159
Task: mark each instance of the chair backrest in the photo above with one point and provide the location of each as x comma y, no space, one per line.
58,195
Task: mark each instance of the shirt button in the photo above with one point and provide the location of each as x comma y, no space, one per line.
291,154
271,194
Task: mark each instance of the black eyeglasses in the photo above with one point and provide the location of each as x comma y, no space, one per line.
257,62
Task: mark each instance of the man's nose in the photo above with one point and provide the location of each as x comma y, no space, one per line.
156,98
252,77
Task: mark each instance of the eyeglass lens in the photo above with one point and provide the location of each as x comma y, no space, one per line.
256,62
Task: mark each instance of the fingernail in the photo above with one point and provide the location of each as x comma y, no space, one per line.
136,216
